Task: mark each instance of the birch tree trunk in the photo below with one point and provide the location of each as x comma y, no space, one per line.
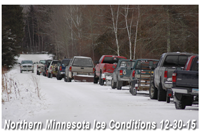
128,28
135,43
115,28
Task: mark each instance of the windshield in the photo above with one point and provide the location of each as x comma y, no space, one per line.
42,61
83,62
27,62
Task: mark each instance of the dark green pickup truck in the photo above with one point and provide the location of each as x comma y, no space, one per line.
122,73
141,75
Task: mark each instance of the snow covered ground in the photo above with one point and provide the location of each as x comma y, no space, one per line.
82,101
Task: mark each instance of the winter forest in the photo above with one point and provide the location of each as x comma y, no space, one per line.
133,31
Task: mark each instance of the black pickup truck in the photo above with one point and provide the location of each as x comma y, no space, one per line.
185,84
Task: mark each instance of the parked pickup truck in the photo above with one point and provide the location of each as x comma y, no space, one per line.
105,67
141,75
40,66
161,84
61,69
122,73
80,68
185,84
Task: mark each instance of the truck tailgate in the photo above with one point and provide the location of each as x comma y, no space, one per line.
110,68
82,70
186,79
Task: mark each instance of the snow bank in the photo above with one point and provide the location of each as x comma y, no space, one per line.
34,57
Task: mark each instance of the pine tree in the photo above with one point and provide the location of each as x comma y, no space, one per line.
12,33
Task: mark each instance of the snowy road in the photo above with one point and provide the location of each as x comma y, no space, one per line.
84,101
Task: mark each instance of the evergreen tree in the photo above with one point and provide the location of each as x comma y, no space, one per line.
12,33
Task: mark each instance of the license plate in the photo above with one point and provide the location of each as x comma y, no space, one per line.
194,90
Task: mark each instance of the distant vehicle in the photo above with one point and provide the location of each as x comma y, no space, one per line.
26,65
61,69
53,68
79,65
162,79
40,66
141,75
105,67
185,84
122,73
46,65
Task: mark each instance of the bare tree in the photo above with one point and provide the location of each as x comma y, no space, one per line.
128,28
115,26
136,32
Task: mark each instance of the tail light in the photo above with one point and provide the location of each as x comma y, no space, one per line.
70,68
51,67
120,72
93,70
37,66
104,69
174,77
60,68
165,74
133,74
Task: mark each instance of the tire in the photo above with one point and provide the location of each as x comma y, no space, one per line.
168,99
119,85
65,79
95,79
113,84
134,92
161,93
101,81
153,91
69,79
49,75
58,76
179,102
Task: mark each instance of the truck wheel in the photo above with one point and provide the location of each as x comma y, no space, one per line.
65,79
113,84
49,75
179,101
153,92
95,79
161,93
58,77
119,85
134,92
69,79
101,81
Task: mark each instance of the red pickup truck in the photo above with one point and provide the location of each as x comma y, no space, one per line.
105,67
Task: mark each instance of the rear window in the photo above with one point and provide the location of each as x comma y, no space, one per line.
55,62
145,64
65,62
83,62
127,64
195,66
111,60
175,61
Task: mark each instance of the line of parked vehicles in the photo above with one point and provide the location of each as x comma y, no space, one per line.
175,75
